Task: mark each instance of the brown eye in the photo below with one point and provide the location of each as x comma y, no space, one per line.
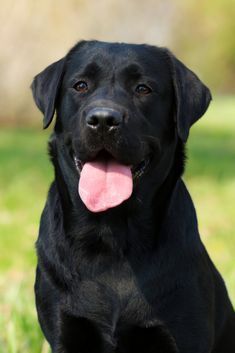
143,89
81,86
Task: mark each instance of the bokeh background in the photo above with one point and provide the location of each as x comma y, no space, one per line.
33,34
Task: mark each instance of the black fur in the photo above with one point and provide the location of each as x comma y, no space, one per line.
135,278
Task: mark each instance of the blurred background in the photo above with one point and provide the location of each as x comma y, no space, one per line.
33,34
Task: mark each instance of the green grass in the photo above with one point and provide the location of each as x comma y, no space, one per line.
210,176
25,170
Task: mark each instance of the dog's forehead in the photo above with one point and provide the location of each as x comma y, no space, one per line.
116,56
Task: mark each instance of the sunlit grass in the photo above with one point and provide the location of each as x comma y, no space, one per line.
24,179
19,329
210,176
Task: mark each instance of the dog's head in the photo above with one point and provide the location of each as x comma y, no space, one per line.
120,108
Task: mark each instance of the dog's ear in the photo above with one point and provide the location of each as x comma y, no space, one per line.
45,87
191,95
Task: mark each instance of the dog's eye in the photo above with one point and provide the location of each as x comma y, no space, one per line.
81,86
143,89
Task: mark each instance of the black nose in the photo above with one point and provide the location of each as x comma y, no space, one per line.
105,118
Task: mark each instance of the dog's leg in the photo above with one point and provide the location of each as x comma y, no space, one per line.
78,335
226,342
65,333
146,339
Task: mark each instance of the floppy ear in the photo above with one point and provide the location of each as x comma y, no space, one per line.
45,87
192,97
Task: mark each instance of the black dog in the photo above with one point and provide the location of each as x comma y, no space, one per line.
121,267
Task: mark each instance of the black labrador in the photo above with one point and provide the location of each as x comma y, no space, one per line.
121,267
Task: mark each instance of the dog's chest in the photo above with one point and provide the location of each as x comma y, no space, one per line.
113,296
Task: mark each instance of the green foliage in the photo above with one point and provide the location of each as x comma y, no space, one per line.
25,173
204,38
19,329
210,176
24,180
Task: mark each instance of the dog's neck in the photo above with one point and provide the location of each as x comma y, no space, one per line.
142,215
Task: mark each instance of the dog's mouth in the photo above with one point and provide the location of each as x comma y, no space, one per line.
105,182
137,170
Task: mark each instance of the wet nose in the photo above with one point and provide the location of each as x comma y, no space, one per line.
104,118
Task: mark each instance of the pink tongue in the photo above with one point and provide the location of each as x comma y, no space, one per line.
104,184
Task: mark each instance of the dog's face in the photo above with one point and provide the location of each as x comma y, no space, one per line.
116,98
121,108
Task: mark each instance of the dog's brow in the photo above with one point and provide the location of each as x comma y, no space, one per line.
133,71
91,70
